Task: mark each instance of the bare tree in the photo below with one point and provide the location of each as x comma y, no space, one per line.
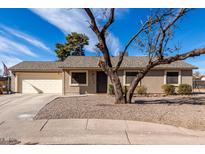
197,74
106,64
152,39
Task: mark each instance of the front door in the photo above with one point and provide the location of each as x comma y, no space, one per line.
101,82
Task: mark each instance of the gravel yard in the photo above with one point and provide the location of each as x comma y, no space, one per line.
188,111
9,141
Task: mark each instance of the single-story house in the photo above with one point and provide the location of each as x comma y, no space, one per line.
81,74
202,77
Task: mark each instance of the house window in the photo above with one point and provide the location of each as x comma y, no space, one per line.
78,78
172,78
129,77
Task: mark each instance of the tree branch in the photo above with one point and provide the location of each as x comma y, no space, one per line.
164,30
146,25
193,53
101,36
109,22
163,35
93,25
182,12
168,60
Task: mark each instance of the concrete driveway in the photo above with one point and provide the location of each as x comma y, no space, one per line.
22,106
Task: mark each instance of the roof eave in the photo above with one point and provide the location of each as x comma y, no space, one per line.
36,70
189,68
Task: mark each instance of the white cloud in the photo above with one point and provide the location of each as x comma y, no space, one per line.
11,47
74,20
103,13
113,44
201,70
33,41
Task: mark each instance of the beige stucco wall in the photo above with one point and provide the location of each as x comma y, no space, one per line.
156,78
12,82
90,88
153,81
187,76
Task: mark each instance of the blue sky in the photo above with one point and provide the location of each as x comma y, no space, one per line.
31,34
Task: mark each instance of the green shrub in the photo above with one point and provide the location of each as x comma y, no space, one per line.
184,89
141,90
168,89
111,89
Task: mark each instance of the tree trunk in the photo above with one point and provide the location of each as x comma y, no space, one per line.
131,90
119,97
133,86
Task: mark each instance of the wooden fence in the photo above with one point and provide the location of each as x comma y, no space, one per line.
198,84
5,85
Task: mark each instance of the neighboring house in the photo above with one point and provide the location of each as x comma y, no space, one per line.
81,74
199,78
202,77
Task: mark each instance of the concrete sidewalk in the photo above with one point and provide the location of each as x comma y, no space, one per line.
97,131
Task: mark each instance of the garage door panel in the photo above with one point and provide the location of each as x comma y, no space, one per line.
41,86
41,83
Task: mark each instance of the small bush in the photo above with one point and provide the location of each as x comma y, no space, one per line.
141,90
111,89
184,89
168,89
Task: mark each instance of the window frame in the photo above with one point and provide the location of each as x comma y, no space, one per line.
179,77
78,84
124,77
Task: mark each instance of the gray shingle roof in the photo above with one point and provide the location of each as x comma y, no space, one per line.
128,62
36,66
91,62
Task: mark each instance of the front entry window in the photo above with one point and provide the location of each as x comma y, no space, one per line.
172,78
129,77
78,78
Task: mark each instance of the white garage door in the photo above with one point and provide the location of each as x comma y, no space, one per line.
41,83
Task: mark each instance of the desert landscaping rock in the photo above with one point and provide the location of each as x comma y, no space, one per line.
180,111
10,141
